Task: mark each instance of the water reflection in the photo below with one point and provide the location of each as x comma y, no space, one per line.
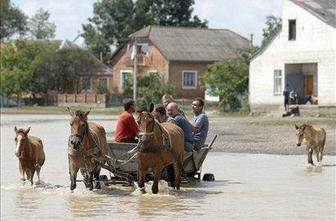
164,205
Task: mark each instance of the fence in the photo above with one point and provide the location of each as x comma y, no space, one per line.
87,99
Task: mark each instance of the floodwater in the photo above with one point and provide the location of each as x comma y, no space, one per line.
247,186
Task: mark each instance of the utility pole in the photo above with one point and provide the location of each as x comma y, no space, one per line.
135,69
251,40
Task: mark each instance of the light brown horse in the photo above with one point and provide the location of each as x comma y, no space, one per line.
314,138
87,141
29,150
160,146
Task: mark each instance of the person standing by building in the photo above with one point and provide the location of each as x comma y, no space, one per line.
286,98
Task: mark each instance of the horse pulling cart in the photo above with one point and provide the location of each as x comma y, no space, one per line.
125,166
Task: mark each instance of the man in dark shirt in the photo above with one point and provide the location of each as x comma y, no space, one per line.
184,124
127,128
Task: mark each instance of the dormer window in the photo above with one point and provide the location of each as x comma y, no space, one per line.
291,29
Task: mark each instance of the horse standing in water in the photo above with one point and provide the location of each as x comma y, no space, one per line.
87,141
29,150
160,146
314,138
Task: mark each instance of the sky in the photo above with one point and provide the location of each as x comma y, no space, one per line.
244,17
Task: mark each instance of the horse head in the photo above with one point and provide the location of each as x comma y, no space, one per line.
146,122
79,127
300,130
21,138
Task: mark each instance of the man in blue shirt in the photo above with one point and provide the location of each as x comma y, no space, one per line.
183,123
200,122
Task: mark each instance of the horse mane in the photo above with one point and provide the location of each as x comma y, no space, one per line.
20,130
81,115
306,126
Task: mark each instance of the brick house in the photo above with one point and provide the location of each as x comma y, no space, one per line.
178,54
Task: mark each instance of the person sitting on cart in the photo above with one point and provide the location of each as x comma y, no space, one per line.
184,124
200,123
167,99
160,114
127,128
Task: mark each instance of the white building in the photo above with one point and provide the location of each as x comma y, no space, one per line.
301,57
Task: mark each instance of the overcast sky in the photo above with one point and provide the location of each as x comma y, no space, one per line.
241,16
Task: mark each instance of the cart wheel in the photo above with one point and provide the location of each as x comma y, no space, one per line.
209,177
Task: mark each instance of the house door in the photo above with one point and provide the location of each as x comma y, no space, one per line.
309,85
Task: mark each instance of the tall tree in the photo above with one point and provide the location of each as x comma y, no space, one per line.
40,27
12,20
114,20
272,25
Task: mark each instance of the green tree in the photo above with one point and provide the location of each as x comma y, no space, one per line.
228,79
272,25
38,66
115,20
152,87
12,20
40,27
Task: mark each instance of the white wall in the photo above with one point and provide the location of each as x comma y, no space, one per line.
315,43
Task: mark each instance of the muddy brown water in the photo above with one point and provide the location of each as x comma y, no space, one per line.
247,186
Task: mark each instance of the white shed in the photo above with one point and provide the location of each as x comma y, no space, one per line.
301,57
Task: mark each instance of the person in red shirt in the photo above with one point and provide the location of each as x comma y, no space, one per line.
127,128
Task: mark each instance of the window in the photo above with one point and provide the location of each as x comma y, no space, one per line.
125,79
86,83
103,83
189,79
292,29
142,48
277,82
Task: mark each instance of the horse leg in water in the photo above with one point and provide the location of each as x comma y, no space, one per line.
38,169
31,175
85,177
141,177
310,156
317,156
157,175
73,174
96,173
22,172
177,171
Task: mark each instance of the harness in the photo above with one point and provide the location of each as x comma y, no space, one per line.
155,148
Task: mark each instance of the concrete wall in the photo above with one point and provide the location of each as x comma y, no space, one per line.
315,43
87,99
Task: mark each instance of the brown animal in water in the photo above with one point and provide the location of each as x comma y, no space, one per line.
314,138
87,141
29,150
155,153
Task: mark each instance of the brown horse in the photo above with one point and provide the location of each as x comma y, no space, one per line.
29,150
87,141
314,138
160,146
